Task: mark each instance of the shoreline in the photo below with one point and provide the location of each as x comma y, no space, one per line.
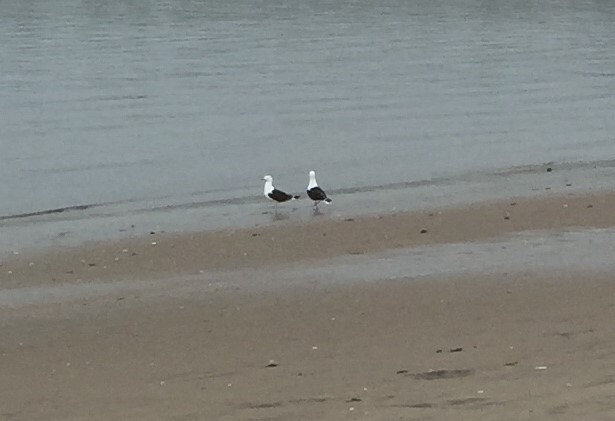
119,221
167,255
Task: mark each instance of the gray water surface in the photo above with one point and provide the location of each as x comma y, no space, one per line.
143,104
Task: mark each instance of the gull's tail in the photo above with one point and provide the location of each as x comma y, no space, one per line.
327,200
295,197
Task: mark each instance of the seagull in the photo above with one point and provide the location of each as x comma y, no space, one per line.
278,196
316,193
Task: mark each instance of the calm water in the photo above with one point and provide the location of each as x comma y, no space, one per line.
179,104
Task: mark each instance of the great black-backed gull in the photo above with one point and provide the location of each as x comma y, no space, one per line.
316,193
278,196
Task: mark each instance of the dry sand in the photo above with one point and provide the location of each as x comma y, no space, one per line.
523,346
368,351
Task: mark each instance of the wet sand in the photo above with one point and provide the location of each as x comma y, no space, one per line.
166,255
515,345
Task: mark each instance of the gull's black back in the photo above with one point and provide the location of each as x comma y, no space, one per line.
279,196
316,194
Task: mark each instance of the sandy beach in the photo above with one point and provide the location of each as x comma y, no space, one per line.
464,270
172,344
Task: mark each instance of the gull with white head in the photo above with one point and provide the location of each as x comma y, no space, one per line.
315,192
275,195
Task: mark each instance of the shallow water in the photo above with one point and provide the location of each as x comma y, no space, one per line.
185,105
129,219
